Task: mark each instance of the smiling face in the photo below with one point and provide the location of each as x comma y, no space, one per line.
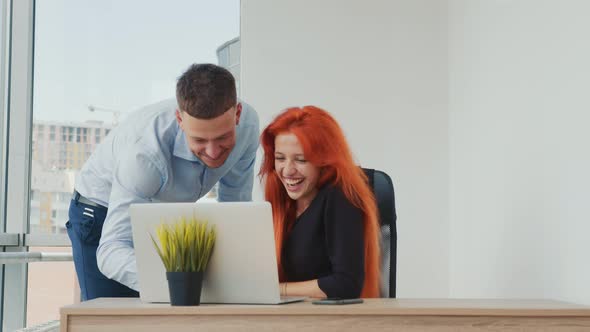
299,176
211,140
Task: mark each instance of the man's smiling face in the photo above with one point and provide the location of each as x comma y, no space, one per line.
211,140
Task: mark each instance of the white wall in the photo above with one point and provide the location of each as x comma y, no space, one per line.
380,67
520,149
478,110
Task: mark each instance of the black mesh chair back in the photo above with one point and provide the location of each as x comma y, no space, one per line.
385,197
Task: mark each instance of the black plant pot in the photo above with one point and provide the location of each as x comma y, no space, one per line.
185,287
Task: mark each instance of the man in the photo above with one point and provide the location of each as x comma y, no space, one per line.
172,151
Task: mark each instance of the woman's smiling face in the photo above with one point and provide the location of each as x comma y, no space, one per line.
299,176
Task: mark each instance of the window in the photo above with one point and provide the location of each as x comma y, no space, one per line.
50,286
97,135
86,58
85,53
39,133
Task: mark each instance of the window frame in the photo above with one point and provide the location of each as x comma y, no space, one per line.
16,154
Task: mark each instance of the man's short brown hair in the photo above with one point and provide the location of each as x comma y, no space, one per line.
206,91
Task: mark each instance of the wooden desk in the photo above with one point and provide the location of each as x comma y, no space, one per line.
131,315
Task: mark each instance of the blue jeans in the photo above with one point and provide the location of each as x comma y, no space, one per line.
84,229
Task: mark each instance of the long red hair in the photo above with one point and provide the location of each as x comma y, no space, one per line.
325,146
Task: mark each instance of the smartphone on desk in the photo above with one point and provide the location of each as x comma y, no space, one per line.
335,300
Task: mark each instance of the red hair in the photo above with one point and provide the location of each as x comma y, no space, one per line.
325,146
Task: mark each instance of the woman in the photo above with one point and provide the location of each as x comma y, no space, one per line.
324,213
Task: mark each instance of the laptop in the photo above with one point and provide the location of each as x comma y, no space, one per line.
243,265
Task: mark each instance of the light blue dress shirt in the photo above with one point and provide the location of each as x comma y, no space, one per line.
147,159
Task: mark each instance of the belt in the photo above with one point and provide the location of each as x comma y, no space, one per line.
81,199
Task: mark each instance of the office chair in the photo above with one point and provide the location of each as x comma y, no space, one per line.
382,187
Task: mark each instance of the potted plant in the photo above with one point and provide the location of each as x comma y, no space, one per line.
185,248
